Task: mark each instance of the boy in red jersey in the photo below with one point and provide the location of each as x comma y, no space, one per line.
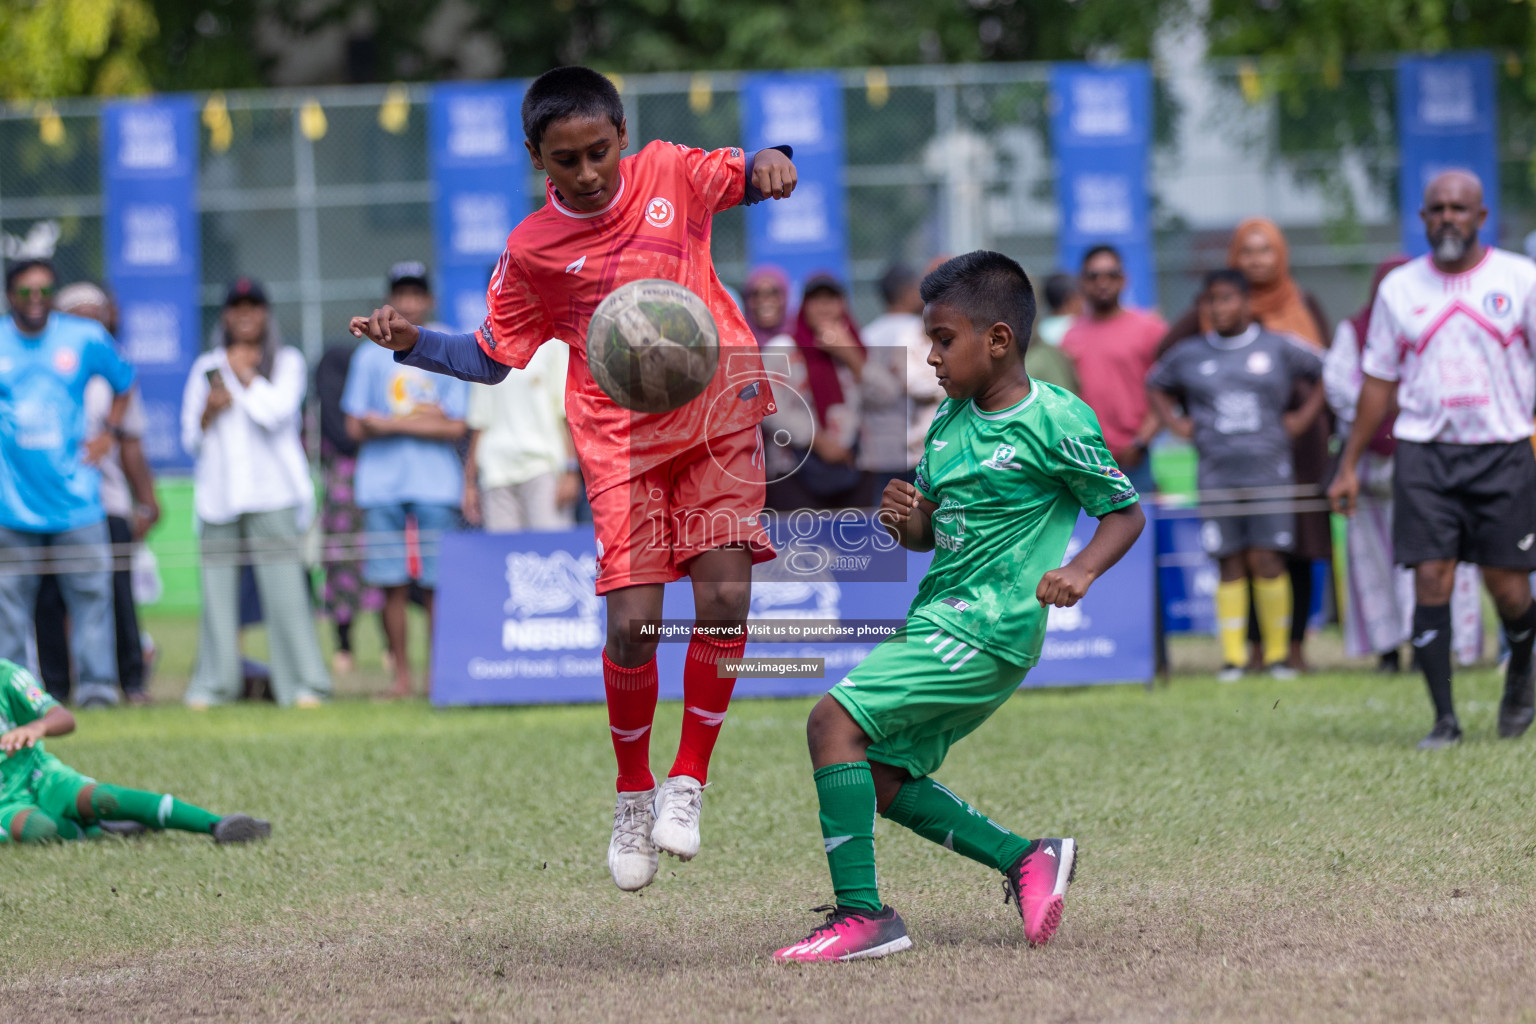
673,494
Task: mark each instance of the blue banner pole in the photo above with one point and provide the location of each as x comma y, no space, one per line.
153,255
1447,119
1101,128
809,231
478,167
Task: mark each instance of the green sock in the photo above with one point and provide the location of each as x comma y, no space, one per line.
117,803
38,827
847,796
935,813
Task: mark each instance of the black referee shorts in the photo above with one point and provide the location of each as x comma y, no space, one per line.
1469,502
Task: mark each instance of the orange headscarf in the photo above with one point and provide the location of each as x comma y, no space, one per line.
1278,305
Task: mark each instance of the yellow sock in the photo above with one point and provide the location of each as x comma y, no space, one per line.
1272,599
1232,621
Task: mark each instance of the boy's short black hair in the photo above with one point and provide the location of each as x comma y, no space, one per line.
568,92
989,288
1059,289
1226,275
1101,249
15,268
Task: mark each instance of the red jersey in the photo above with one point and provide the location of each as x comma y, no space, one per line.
559,264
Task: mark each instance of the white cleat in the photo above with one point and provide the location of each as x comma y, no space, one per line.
631,855
679,802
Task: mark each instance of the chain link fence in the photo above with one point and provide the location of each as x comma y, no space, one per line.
316,192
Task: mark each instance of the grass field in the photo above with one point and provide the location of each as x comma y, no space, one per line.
1263,851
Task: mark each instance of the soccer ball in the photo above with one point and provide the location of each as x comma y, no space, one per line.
652,346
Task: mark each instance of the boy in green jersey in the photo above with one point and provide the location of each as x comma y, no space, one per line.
1008,463
43,799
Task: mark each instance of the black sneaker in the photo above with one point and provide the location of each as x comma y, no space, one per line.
122,828
240,828
1446,733
1389,663
1518,707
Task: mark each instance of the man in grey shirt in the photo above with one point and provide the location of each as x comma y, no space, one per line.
1235,383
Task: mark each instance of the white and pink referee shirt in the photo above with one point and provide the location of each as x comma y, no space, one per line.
1460,348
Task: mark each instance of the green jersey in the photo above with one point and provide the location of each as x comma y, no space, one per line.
22,700
1008,486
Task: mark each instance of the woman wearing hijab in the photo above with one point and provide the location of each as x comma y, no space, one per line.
1258,249
813,443
765,299
1379,611
240,417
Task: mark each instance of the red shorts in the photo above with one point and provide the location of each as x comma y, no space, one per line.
707,497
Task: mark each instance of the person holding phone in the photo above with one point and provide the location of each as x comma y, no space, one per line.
240,418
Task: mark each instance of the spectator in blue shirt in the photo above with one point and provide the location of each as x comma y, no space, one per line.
51,516
409,480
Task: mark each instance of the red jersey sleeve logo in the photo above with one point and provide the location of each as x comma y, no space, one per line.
659,211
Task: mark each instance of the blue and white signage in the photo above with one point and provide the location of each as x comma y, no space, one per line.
153,262
518,621
808,231
1186,573
1101,126
478,169
1446,120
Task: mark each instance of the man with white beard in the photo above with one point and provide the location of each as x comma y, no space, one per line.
1451,340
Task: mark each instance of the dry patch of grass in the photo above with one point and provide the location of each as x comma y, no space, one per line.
1244,860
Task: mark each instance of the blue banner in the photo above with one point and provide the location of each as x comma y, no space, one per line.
479,167
1446,120
518,621
1188,577
153,257
1186,574
1101,126
809,231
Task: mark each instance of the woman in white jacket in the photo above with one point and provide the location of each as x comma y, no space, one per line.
240,416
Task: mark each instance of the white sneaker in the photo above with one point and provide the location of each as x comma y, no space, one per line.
631,856
679,802
1229,674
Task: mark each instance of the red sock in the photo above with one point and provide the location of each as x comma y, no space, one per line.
706,697
631,710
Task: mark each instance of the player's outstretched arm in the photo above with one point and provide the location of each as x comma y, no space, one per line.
1115,534
385,327
906,515
453,355
773,176
57,722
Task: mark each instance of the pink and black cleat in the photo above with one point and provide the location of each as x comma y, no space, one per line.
850,934
1038,882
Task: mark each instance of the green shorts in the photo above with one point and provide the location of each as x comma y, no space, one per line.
922,690
51,788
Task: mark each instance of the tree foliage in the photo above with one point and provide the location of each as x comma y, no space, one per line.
62,47
1304,50
692,35
1320,34
52,48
